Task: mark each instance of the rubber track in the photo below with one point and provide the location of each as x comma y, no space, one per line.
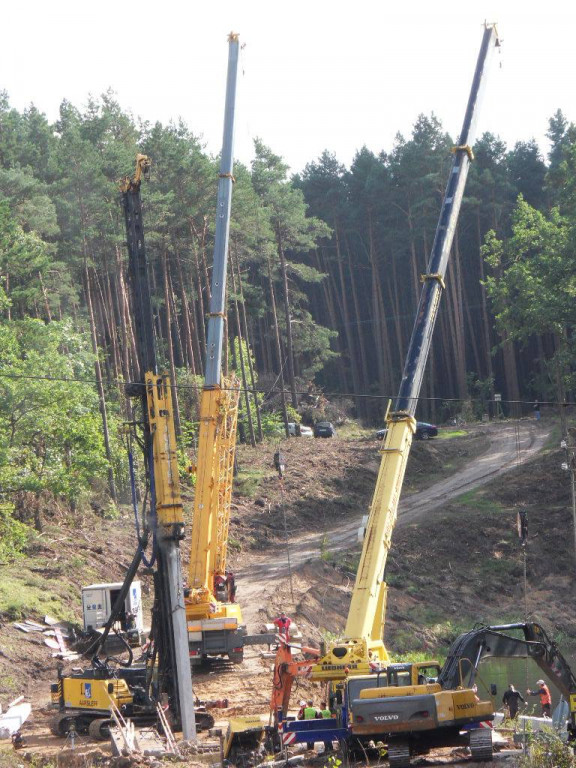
399,755
481,744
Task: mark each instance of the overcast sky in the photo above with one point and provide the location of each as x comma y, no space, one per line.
315,74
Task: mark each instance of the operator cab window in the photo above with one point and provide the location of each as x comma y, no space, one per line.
401,677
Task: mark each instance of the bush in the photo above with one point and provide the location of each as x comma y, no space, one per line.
13,534
547,750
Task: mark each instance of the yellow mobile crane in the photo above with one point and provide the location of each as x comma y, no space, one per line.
362,650
363,636
214,618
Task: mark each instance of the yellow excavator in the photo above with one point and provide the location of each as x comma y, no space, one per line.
360,659
214,619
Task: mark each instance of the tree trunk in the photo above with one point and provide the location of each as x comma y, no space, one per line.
188,322
99,384
289,346
278,350
359,330
242,365
175,404
250,365
354,367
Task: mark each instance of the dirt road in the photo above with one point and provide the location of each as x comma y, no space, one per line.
510,444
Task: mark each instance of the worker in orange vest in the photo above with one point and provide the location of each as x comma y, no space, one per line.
545,698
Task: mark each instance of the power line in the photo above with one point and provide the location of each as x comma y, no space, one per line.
249,390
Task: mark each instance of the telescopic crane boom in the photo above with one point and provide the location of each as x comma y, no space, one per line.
214,618
363,636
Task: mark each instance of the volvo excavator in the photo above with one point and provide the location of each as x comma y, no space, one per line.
440,711
362,650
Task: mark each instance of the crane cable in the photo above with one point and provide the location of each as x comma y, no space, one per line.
286,539
518,464
523,539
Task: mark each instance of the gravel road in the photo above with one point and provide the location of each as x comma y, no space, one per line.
510,444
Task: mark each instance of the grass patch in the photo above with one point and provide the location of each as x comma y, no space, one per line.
24,595
448,434
478,499
247,483
233,544
352,430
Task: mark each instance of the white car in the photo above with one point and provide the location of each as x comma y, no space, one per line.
304,431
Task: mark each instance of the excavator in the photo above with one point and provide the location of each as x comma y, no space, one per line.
214,618
362,650
437,711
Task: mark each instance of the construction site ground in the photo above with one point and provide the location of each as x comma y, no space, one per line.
455,558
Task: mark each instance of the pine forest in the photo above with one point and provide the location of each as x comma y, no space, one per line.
323,285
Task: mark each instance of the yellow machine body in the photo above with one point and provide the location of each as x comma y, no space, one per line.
362,647
91,694
243,733
211,516
165,456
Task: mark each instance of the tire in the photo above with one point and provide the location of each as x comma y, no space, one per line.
424,435
99,729
236,658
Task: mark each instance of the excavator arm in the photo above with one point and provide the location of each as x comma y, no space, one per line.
286,670
472,647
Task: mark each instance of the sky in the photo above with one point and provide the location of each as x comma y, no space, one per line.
315,75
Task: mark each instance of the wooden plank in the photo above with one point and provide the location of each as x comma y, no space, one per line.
60,640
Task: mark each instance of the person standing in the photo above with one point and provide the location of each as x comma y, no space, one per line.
283,623
511,701
325,714
310,713
545,699
536,409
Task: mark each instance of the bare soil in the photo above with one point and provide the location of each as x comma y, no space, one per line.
455,559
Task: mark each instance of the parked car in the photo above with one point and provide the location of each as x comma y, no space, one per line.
304,431
424,431
324,429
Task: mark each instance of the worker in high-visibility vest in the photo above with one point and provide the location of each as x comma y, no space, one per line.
545,699
325,713
310,713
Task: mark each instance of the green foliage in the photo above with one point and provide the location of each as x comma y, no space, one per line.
52,428
13,534
547,750
533,284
